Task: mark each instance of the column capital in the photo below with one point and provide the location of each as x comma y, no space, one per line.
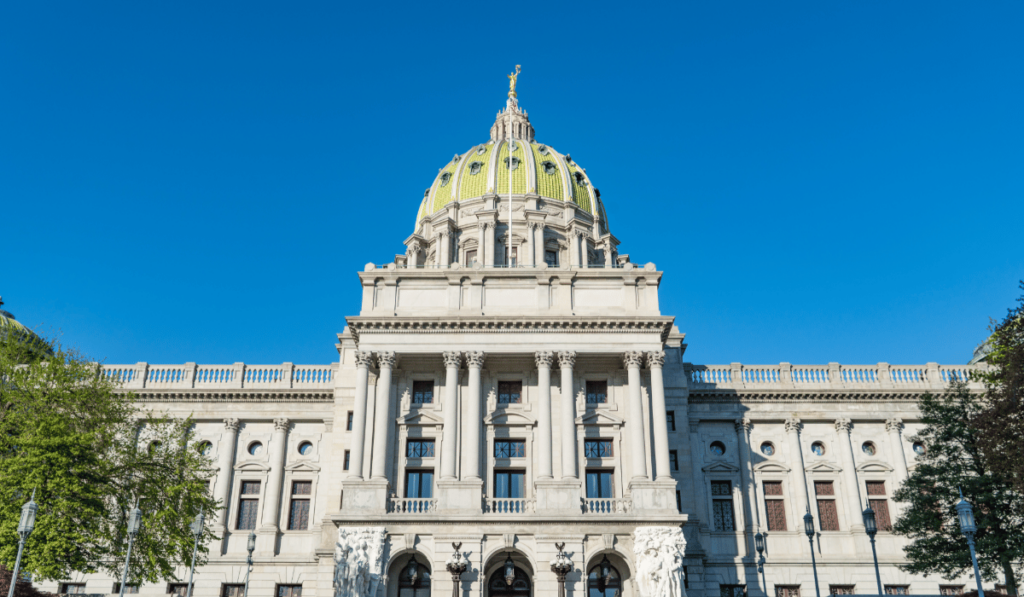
452,359
567,359
386,359
364,359
544,358
475,359
281,424
743,425
633,358
656,358
793,425
231,424
894,424
843,425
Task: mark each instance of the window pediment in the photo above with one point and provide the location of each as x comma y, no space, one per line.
771,467
721,466
874,466
303,466
420,417
252,466
599,417
509,417
823,467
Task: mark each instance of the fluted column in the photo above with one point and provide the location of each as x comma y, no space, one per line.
584,248
539,249
355,469
530,252
853,507
226,462
471,426
544,466
378,460
793,433
452,361
574,248
656,360
633,361
746,481
414,253
566,360
894,426
278,451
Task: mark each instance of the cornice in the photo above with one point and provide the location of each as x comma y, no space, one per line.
517,324
199,395
734,396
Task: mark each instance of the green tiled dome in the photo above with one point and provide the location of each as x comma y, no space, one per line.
12,329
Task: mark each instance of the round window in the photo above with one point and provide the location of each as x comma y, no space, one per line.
204,448
818,449
717,448
768,449
256,448
869,448
306,448
919,448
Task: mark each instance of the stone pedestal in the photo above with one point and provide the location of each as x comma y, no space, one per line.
370,497
558,496
460,497
653,497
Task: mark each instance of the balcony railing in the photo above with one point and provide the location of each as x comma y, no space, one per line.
236,376
509,506
607,506
399,505
737,376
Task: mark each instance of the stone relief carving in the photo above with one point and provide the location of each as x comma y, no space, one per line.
659,561
359,561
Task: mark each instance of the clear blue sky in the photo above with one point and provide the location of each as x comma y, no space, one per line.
820,181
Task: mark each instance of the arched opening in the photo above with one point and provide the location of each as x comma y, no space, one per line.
509,580
604,580
410,577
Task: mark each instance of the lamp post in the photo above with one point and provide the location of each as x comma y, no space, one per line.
871,527
456,566
197,532
966,515
134,525
28,522
809,529
510,570
759,546
561,566
250,547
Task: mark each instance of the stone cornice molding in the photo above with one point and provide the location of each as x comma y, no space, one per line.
894,424
656,359
402,325
475,359
452,359
567,359
364,359
632,359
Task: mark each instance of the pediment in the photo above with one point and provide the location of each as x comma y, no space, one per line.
771,467
509,417
304,466
874,466
252,466
421,417
721,466
598,417
823,467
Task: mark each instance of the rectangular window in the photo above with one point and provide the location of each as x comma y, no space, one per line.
347,458
72,588
597,448
298,514
348,427
879,504
177,589
419,484
510,392
232,590
951,589
670,418
551,258
721,502
128,589
422,392
787,590
828,516
732,591
876,487
597,392
897,589
419,448
471,258
840,589
248,506
599,484
289,590
775,505
673,459
509,484
509,448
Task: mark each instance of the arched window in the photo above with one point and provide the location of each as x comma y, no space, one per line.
498,585
604,580
414,580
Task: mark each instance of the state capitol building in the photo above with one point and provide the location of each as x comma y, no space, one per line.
510,385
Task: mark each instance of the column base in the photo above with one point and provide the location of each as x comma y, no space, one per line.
365,496
558,496
653,497
464,497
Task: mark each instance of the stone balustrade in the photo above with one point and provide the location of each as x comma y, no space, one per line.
833,376
217,377
404,505
607,506
509,506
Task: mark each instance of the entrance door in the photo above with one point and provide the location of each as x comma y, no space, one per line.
497,586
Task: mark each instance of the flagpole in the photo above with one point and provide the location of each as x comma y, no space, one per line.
510,142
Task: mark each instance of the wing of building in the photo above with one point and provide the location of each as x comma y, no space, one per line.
511,388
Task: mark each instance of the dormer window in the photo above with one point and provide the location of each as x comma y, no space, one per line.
447,176
475,167
481,150
580,180
549,167
542,149
515,162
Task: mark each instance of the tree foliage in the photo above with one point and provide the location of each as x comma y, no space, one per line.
955,459
90,451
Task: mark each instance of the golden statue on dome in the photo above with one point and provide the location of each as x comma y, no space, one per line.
512,82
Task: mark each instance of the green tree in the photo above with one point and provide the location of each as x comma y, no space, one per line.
90,451
954,460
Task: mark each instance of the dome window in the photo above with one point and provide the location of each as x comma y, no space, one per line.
481,150
549,167
475,167
515,162
542,149
445,178
455,160
579,179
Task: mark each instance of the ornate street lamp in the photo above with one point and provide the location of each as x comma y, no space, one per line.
809,529
561,566
456,566
197,532
134,525
965,513
759,546
871,527
25,526
510,570
606,573
412,572
250,547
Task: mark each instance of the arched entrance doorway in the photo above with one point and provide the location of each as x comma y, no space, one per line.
409,577
509,581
